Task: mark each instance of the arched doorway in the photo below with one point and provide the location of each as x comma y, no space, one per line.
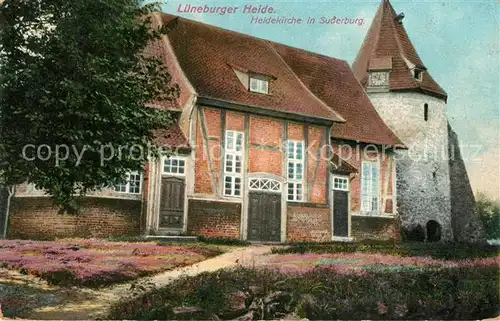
433,231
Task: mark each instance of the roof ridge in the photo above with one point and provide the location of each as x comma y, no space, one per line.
250,36
323,104
308,51
391,13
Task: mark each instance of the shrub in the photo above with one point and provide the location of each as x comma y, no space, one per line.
415,233
489,213
130,239
222,241
441,250
455,293
94,262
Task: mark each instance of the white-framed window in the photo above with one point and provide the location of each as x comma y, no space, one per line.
340,183
295,170
174,165
264,184
132,184
233,163
258,85
32,188
370,187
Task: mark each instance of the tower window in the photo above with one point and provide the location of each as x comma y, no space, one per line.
417,74
426,112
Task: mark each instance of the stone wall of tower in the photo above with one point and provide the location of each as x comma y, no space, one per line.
423,184
467,226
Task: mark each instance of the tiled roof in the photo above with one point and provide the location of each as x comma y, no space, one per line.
207,55
171,137
172,105
301,82
340,166
158,50
332,81
386,39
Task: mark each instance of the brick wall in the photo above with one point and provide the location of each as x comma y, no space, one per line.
308,223
374,228
317,169
214,219
266,146
37,217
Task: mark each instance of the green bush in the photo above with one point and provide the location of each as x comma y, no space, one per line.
447,251
455,293
413,234
489,213
130,239
222,241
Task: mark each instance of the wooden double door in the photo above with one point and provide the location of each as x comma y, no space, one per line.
264,217
172,203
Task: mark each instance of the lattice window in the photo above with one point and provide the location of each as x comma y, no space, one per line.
295,169
370,187
233,163
131,185
265,184
174,166
259,85
340,183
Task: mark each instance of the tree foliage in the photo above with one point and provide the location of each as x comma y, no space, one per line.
489,213
77,74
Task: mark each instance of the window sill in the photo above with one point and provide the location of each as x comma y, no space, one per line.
342,239
376,215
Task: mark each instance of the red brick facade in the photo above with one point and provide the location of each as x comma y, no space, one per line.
265,149
37,217
308,224
214,219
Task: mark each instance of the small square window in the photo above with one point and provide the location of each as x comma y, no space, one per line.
121,188
131,185
340,183
174,166
259,85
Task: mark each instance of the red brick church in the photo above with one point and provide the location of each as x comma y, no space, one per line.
273,144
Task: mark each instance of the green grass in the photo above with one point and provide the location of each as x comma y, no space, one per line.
447,251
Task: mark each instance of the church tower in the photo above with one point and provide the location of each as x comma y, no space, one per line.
413,105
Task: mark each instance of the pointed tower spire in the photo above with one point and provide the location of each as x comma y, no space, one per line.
387,47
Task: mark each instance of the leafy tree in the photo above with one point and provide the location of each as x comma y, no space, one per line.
489,213
77,74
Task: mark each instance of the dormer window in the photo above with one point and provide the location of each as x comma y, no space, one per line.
259,85
417,74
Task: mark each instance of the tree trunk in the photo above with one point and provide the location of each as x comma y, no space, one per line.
11,190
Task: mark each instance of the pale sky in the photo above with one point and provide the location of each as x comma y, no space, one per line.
458,42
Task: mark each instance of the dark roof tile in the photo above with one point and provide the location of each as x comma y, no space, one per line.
206,53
